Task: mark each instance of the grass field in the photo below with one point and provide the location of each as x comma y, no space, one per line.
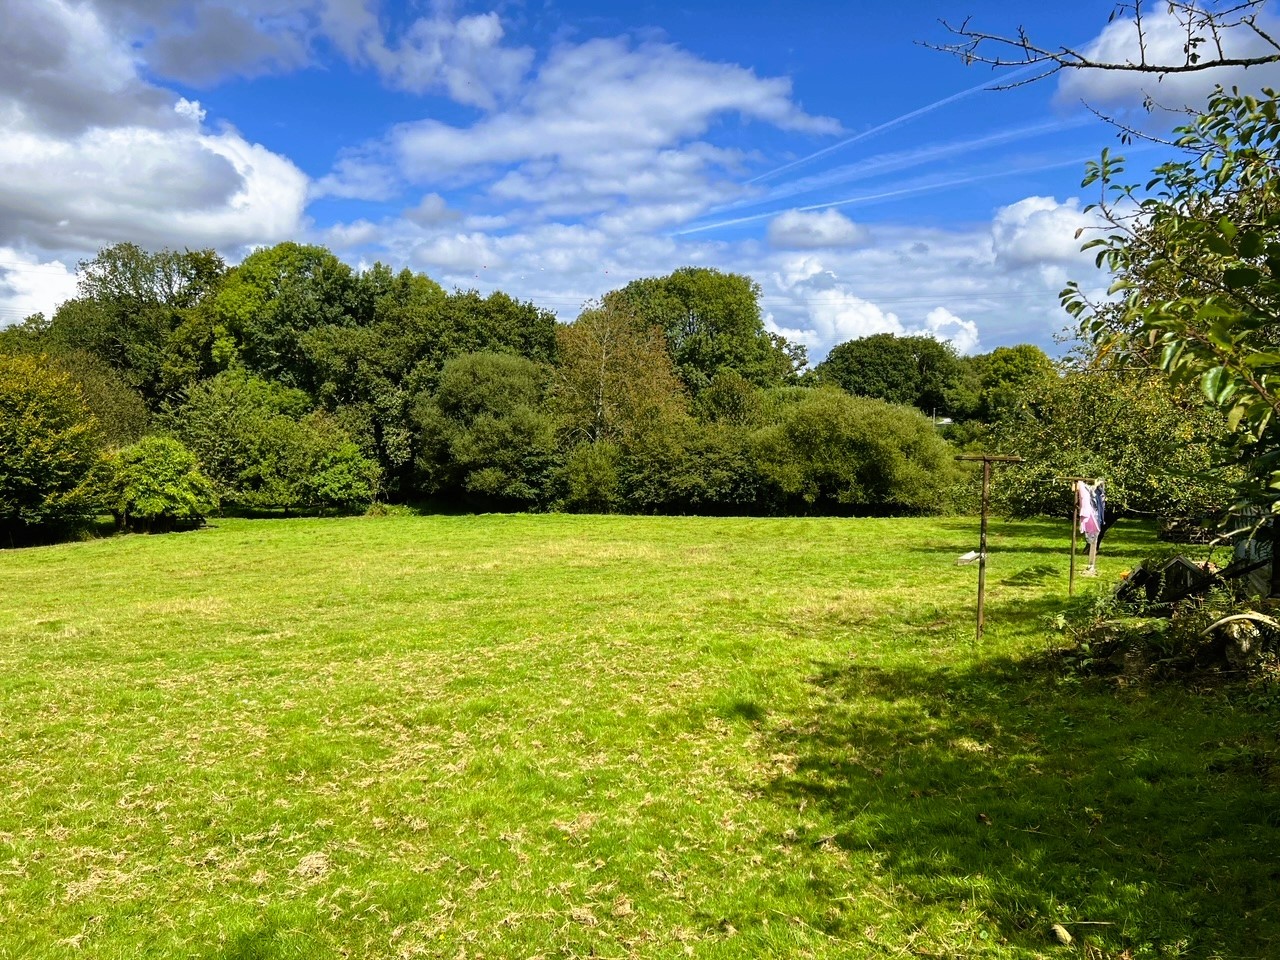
549,736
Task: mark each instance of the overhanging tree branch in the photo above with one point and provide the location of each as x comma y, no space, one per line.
1202,49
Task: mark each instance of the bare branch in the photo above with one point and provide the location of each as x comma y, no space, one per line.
1204,48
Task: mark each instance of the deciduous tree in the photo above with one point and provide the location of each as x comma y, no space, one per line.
49,450
712,322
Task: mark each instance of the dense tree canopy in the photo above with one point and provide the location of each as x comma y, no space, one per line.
49,449
1156,446
300,384
712,322
918,371
129,302
486,433
831,450
615,376
156,483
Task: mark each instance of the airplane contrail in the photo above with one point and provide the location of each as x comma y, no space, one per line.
887,125
890,194
897,161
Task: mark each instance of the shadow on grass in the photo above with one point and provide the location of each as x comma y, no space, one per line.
1127,541
1146,822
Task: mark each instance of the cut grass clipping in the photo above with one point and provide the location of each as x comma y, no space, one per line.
544,736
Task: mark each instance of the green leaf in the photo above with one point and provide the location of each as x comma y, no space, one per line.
1250,243
1240,277
1213,381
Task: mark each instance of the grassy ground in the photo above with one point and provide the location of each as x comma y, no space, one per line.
542,736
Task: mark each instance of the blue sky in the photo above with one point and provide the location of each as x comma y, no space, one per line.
559,150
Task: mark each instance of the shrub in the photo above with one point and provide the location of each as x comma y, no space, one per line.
157,483
589,479
829,450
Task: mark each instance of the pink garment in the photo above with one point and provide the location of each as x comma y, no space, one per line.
1088,515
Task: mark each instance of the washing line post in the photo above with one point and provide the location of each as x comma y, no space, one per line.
987,460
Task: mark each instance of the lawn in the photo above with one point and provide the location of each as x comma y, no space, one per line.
552,736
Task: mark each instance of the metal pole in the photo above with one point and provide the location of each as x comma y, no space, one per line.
982,544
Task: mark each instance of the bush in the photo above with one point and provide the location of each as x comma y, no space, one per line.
831,451
589,479
49,453
264,451
156,484
485,434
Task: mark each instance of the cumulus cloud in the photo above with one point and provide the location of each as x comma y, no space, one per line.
29,285
157,187
63,70
610,128
92,153
348,236
1040,230
431,210
463,57
604,95
356,177
942,324
798,230
204,42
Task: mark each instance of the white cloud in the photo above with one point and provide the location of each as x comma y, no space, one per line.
458,253
1040,230
431,210
604,96
154,187
62,69
346,236
797,230
358,178
942,324
29,285
97,154
201,44
463,57
190,110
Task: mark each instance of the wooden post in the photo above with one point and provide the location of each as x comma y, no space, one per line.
982,543
987,459
1075,527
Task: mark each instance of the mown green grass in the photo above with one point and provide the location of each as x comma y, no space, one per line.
545,736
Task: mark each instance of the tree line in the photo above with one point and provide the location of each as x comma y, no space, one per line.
172,386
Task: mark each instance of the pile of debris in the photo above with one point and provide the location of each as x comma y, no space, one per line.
1174,617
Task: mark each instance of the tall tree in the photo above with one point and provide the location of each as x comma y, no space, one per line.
485,433
274,297
49,450
917,371
1155,446
712,322
615,377
128,303
1003,377
1199,267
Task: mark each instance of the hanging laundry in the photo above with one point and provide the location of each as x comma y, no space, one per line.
1090,518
